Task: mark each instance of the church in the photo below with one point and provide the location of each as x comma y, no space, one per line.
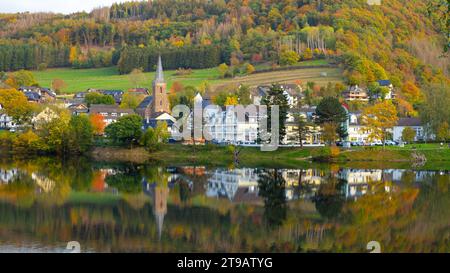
156,108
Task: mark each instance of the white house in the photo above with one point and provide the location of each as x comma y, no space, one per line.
6,122
356,131
413,123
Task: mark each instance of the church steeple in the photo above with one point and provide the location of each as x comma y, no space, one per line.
159,77
160,100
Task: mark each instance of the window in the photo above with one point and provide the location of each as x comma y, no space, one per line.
160,102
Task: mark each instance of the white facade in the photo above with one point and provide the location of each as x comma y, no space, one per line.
6,122
398,131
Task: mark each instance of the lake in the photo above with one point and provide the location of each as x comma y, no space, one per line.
110,207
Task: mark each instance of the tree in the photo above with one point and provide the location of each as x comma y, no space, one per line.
125,131
443,132
223,70
131,101
23,78
329,132
80,134
276,97
15,104
412,93
97,98
243,94
288,57
136,77
436,108
98,124
331,111
154,137
59,85
301,128
379,118
408,135
231,100
249,69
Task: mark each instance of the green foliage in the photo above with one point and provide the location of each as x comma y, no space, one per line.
125,131
276,96
153,138
80,134
97,98
408,134
331,111
289,57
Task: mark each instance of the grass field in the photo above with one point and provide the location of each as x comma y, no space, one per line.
108,78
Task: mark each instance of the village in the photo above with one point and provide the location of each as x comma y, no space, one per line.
227,128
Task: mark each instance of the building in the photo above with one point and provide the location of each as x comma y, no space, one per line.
413,123
391,93
110,113
78,109
38,94
355,93
356,131
6,122
156,108
291,91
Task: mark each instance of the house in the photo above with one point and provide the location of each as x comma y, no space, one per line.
78,109
144,109
116,94
153,120
289,90
110,113
6,122
314,132
414,123
38,94
355,93
356,131
32,96
391,93
43,117
79,97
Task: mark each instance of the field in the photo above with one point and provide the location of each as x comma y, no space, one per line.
108,78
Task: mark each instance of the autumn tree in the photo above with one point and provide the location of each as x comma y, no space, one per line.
131,101
223,70
378,119
15,104
59,85
443,132
408,135
288,57
98,124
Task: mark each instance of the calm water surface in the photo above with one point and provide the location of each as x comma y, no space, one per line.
45,203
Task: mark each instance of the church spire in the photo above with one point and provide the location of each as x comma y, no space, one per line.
159,77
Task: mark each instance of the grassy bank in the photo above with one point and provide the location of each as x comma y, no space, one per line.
373,157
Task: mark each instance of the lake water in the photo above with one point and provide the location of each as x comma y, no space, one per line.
45,203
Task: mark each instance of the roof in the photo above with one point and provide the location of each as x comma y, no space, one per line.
145,103
33,96
384,82
103,108
409,122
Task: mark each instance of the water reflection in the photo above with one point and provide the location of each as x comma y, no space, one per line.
125,207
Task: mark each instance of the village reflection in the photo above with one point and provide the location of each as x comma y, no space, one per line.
130,207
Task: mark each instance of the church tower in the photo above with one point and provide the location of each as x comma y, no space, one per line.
160,100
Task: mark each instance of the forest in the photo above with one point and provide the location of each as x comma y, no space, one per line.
400,40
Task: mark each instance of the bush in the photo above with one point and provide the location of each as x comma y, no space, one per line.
42,67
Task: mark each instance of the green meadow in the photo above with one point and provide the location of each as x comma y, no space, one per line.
108,78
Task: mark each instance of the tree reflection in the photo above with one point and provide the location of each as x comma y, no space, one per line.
330,198
272,188
126,180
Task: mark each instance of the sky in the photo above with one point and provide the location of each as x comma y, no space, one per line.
57,6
